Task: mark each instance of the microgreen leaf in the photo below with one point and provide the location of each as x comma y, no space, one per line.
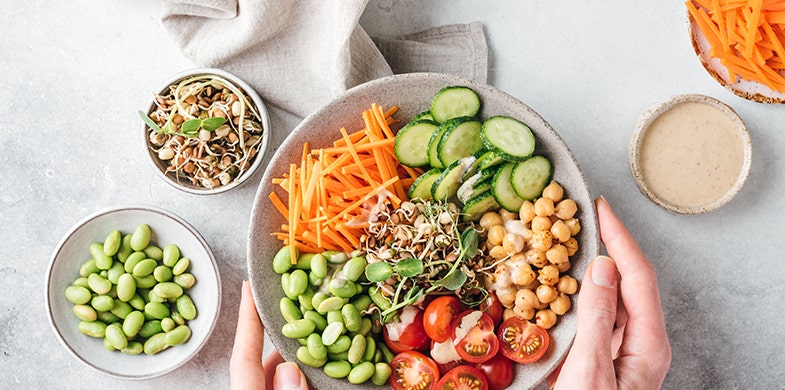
453,281
190,128
409,267
469,242
378,272
149,122
211,124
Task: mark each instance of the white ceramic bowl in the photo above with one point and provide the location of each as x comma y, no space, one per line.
159,166
412,93
73,250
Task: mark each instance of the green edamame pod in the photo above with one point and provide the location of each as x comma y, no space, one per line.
178,335
305,357
156,343
354,268
112,242
77,295
140,238
315,346
102,261
171,254
116,337
357,349
282,262
361,373
337,369
381,374
95,329
185,306
342,344
289,310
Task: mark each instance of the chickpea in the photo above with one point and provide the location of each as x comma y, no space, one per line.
541,240
526,212
490,219
571,245
543,207
536,258
567,285
496,235
545,319
553,191
512,243
561,304
502,276
566,209
526,314
549,275
561,231
546,294
541,224
523,274
506,297
557,254
518,227
507,215
507,314
526,299
574,225
498,252
564,267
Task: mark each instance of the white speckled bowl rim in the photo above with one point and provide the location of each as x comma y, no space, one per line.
650,114
160,166
412,93
73,250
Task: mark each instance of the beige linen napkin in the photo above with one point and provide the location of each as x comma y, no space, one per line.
299,55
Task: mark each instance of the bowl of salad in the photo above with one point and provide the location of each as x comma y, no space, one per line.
205,131
420,231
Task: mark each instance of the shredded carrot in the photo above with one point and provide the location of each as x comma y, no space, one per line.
747,36
331,189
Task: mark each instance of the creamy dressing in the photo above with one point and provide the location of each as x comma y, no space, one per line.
395,329
468,322
691,155
443,353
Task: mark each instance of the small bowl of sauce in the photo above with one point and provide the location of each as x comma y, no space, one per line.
690,154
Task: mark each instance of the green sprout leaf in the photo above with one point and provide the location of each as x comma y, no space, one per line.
469,242
378,272
409,267
212,124
191,127
149,122
453,281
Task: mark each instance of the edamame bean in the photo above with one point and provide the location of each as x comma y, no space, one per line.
305,357
85,313
343,344
140,238
88,267
132,260
168,290
351,317
99,284
102,303
133,323
154,252
126,287
170,255
178,319
332,332
282,261
181,266
354,268
304,261
317,319
185,280
116,337
150,328
315,281
186,307
144,268
319,266
334,316
315,346
386,353
361,373
366,326
178,335
121,309
95,329
337,369
156,343
107,317
343,356
112,242
298,283
102,261
335,257
137,302
162,273
305,299
145,282
108,345
77,295
370,349
298,328
362,303
167,324
114,272
81,282
342,288
381,374
330,304
125,248
289,310
357,349
318,298
156,310
133,348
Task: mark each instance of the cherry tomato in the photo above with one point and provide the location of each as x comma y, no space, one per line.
492,306
473,336
498,371
413,370
412,337
438,316
523,341
445,352
463,378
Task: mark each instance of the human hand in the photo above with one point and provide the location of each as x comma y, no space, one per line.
621,341
246,369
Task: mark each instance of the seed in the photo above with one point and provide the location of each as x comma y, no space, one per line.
232,138
204,135
177,119
190,99
236,108
165,154
189,167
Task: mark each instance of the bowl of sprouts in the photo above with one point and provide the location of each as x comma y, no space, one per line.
205,131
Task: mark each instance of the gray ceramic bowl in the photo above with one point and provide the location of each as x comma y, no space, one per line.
159,166
412,93
166,228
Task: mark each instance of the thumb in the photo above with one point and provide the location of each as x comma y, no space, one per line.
597,309
289,377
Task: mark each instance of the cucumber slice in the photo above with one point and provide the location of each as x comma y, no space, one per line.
421,187
472,169
479,190
468,188
491,160
501,187
510,138
411,143
454,101
474,209
421,116
530,177
433,145
462,139
446,185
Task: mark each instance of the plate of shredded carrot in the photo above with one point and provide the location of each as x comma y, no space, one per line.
741,43
323,181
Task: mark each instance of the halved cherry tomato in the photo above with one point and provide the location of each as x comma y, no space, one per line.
473,336
412,337
438,316
463,378
498,371
492,306
445,356
523,341
413,370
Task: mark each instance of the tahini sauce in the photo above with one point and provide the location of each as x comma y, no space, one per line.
691,155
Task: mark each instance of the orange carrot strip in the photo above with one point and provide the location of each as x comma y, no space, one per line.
278,204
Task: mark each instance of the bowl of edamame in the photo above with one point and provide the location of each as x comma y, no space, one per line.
133,292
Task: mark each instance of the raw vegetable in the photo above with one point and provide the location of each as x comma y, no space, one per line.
463,378
746,36
522,341
509,138
411,142
454,101
413,370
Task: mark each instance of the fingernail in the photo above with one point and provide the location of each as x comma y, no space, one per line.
603,271
287,376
